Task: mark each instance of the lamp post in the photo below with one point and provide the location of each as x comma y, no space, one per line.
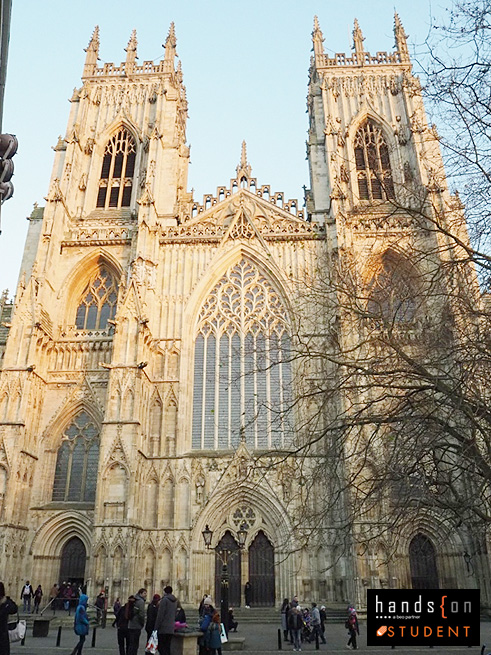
224,556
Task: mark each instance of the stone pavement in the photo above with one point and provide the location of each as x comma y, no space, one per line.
260,639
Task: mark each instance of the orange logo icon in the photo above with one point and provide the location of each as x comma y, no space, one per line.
382,630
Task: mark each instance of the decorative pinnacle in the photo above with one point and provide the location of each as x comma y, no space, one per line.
401,38
244,169
94,41
171,41
92,51
131,49
317,38
358,39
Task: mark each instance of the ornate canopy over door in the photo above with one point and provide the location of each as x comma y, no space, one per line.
73,560
261,571
228,543
422,562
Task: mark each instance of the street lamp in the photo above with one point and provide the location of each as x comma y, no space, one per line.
224,556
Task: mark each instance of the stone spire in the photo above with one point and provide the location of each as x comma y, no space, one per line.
170,49
358,39
244,169
131,55
92,51
401,39
317,38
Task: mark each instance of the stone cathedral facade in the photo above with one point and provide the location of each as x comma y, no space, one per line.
147,358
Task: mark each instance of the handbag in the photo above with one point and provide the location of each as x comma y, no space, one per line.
18,631
152,643
223,634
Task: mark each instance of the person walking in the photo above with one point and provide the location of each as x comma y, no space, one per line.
116,608
136,622
81,623
152,610
7,606
122,620
38,595
285,608
100,603
212,639
316,623
248,594
205,620
323,617
295,625
353,629
166,619
25,595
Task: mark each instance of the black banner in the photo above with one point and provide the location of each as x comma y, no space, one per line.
423,617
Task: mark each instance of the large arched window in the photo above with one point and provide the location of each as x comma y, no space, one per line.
242,370
98,303
77,462
118,169
372,161
392,291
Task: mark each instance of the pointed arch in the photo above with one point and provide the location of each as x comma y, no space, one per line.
116,483
152,502
117,175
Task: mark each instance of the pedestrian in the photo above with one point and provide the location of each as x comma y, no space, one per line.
295,625
122,620
285,608
166,619
7,606
248,595
180,613
53,595
316,623
323,616
81,623
353,629
25,595
116,608
136,622
213,640
152,615
232,623
38,595
202,604
100,603
205,620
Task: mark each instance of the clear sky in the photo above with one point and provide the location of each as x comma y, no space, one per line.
245,66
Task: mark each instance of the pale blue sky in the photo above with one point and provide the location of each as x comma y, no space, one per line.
245,67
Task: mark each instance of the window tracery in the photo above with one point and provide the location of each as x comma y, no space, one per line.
392,293
98,304
373,170
118,170
242,370
77,462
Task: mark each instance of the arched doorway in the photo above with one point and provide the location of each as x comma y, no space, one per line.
261,571
228,543
73,560
422,563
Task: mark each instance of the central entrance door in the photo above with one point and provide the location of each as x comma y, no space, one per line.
422,562
73,560
228,543
261,571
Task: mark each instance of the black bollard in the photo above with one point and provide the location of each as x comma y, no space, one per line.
58,637
93,637
316,640
279,639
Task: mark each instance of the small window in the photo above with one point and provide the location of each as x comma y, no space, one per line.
373,164
118,170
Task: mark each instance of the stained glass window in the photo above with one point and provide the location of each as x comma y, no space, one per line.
98,303
77,462
242,368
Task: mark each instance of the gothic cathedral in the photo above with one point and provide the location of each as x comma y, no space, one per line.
146,358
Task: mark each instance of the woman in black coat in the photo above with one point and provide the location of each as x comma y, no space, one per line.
152,610
7,606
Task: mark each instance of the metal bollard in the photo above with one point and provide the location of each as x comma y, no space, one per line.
58,637
316,640
94,632
279,639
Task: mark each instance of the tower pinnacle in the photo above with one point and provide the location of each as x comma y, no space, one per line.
92,51
244,169
317,38
401,38
170,49
131,55
358,39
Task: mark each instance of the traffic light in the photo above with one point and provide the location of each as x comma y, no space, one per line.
8,148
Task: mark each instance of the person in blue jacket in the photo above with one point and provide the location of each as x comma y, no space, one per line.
81,623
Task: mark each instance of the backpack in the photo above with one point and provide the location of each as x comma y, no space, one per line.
121,620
